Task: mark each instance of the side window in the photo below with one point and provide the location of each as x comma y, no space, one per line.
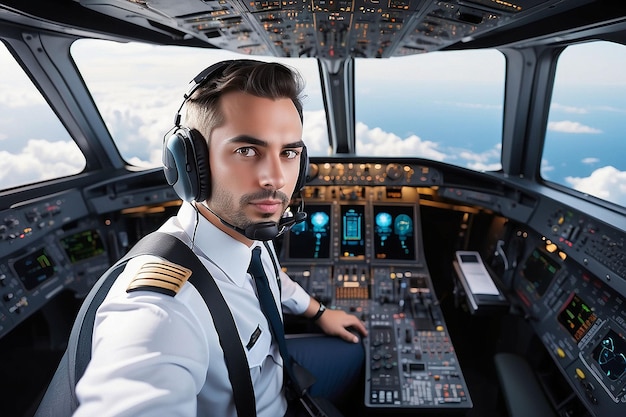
585,140
34,145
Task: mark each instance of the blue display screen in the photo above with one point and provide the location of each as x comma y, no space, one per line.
394,233
310,239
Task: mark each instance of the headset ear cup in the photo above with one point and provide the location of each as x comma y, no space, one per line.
201,152
185,164
176,164
304,170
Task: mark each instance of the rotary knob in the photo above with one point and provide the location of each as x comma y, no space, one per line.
313,171
394,171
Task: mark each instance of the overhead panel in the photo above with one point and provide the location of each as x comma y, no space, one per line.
330,29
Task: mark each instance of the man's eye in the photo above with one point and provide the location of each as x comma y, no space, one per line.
290,153
247,151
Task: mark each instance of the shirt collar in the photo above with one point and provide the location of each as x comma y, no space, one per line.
231,256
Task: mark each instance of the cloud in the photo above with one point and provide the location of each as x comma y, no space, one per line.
315,133
590,160
12,76
586,110
40,160
546,167
607,183
380,143
567,126
377,142
139,132
568,109
611,109
483,161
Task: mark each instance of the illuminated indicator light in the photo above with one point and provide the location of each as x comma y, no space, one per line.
439,328
560,352
551,247
580,373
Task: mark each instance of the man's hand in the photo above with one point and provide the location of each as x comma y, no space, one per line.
337,322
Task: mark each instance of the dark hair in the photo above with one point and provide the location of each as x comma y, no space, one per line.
261,79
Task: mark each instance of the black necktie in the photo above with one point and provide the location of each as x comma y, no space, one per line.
268,305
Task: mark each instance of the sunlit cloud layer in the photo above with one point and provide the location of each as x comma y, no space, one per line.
40,160
372,142
607,183
567,126
59,159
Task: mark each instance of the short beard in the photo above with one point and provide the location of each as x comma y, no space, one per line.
222,205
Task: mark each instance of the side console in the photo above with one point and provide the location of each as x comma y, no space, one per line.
47,246
580,319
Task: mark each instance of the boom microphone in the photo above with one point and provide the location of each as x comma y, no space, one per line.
267,230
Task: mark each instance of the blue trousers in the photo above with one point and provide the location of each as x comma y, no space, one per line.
337,365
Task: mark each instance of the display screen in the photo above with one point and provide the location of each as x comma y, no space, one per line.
310,239
82,245
34,268
394,233
352,231
539,270
577,317
610,354
605,354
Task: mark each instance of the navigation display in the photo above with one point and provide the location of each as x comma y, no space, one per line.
605,354
610,354
352,231
310,239
394,233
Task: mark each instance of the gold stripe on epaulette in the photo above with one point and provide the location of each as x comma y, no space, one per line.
163,277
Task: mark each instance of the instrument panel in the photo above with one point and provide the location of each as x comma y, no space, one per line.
361,249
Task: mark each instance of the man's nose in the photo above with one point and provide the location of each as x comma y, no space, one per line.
272,174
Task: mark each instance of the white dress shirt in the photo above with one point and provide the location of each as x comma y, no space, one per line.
157,355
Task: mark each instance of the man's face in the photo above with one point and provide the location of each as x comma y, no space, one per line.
254,158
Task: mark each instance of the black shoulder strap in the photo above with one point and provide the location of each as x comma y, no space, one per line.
172,249
60,398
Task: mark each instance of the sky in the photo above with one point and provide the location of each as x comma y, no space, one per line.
448,107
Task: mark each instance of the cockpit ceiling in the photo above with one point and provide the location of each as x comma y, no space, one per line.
331,29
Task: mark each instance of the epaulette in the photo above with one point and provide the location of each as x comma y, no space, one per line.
163,277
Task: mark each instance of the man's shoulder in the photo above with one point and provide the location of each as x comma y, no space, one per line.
158,275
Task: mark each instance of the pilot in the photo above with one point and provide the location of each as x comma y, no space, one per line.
156,353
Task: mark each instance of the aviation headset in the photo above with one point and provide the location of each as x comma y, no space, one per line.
186,156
